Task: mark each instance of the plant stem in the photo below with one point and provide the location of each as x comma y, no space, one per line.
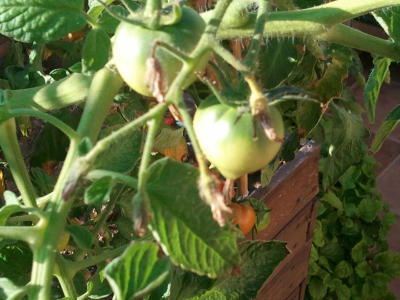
151,7
64,278
12,152
100,99
105,85
125,179
75,266
252,54
350,37
47,117
311,21
28,234
56,95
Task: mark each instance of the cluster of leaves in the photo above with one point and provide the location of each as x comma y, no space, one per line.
350,258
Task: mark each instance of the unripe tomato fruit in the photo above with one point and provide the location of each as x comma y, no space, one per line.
227,139
132,47
244,216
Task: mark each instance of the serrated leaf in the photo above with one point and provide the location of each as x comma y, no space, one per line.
259,259
373,86
389,19
82,237
182,223
99,192
307,116
344,140
137,271
40,20
362,269
96,50
122,155
277,60
387,126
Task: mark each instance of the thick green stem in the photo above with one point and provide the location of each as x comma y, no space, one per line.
100,99
316,20
59,94
350,37
12,152
49,118
28,234
152,6
105,85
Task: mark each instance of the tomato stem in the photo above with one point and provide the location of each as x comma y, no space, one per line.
12,152
72,134
125,179
252,54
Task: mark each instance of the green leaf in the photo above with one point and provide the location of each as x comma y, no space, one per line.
96,50
121,156
182,223
168,138
343,269
51,144
388,220
362,269
344,140
373,86
81,235
277,59
259,259
330,85
387,126
343,292
389,18
333,200
359,252
109,23
389,263
185,284
318,237
98,287
40,20
43,182
15,261
333,251
8,290
137,271
99,192
307,116
368,209
316,288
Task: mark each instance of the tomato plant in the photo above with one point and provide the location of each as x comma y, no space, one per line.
244,216
133,45
229,141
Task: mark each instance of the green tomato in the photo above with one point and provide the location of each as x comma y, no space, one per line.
227,138
132,47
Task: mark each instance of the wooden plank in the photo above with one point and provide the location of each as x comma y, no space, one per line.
292,187
295,294
289,276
